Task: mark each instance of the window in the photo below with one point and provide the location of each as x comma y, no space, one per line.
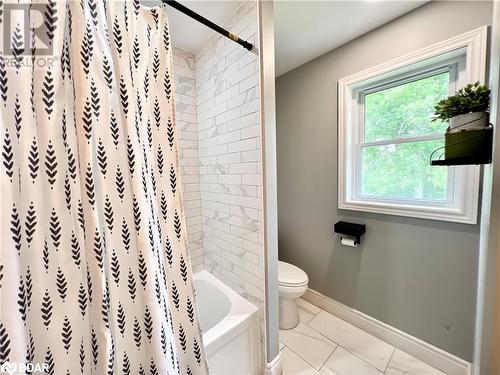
386,135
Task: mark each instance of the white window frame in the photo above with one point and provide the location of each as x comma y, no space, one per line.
468,49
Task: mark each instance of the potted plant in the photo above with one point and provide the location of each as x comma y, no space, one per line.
467,109
468,136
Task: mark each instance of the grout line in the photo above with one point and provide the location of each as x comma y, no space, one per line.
357,355
322,334
314,368
354,353
334,350
390,359
307,311
307,323
335,347
363,360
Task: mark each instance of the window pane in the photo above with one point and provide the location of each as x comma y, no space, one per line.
403,171
406,110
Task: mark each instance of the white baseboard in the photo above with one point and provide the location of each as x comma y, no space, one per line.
438,358
274,367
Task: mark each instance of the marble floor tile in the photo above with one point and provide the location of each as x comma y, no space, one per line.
292,364
342,362
306,310
369,348
325,344
308,344
404,364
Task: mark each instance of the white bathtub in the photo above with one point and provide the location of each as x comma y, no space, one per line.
230,327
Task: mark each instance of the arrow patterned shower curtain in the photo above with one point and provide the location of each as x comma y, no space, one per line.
95,277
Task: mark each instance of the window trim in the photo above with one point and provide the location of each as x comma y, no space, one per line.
465,203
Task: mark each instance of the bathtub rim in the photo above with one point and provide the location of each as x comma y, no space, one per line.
236,320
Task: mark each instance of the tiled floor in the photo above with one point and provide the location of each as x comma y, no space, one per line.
325,344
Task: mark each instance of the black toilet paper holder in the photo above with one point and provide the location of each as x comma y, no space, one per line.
350,229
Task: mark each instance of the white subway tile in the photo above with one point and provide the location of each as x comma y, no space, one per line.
244,121
219,133
191,170
191,179
230,199
242,73
252,179
228,116
251,202
229,179
225,95
254,291
213,151
246,190
233,220
250,132
248,156
230,158
187,136
229,138
245,145
189,153
251,278
232,277
216,206
208,179
193,220
251,258
189,117
250,107
253,247
245,234
249,82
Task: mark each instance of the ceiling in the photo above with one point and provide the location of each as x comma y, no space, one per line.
305,30
189,34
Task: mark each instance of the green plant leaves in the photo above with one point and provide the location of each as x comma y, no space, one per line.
472,98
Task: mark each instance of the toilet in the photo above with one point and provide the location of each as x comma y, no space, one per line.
292,282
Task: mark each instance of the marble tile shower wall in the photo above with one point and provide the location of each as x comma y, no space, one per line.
227,91
187,134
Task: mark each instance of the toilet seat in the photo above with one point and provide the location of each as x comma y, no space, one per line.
290,275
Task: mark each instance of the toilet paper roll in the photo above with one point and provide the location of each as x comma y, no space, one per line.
348,241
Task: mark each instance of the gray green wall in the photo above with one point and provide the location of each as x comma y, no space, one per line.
416,275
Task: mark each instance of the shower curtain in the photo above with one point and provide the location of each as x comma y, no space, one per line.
95,277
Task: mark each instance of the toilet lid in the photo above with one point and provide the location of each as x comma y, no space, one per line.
288,274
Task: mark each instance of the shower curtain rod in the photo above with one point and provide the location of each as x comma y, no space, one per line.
213,26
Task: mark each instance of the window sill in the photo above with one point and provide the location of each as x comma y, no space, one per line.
420,212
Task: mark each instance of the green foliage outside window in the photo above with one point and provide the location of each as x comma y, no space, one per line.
406,110
403,170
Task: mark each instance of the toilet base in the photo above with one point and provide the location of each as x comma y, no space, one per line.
289,315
